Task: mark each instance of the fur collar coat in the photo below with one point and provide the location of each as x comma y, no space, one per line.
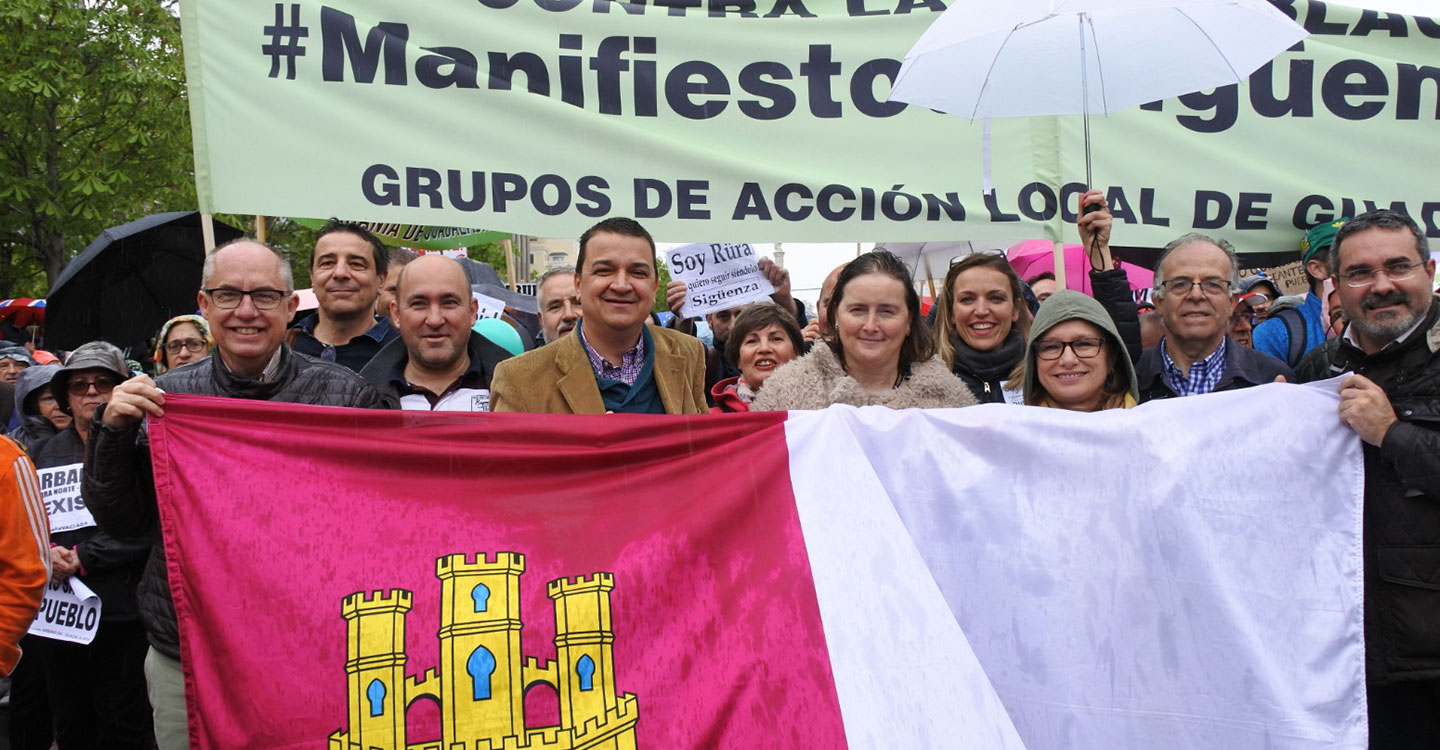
817,380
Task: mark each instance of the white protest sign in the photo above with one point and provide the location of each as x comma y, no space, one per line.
70,611
489,306
717,277
60,486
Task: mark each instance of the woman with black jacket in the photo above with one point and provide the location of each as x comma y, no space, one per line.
983,322
97,690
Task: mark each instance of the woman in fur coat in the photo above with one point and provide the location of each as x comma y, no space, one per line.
880,354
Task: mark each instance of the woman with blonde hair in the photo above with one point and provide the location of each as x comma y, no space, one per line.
982,325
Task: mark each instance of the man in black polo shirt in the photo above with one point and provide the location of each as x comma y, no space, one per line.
346,269
438,363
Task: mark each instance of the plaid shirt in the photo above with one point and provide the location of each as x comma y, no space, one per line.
631,362
1203,376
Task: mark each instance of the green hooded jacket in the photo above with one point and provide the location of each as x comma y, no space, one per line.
1064,305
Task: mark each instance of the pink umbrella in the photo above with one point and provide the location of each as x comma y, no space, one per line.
1033,257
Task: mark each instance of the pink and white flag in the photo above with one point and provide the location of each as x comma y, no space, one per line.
990,577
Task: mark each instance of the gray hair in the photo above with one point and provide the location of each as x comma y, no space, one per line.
552,273
1378,219
399,256
1158,292
207,272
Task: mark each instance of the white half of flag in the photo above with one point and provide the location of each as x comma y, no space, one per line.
1160,577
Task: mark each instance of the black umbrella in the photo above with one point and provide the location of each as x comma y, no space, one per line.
129,281
485,280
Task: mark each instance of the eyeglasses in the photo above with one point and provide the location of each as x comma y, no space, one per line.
227,298
193,345
987,251
1048,349
1399,271
80,386
1244,312
1211,287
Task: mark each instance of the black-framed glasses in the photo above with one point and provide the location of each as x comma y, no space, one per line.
1398,271
192,345
1244,312
1212,287
1085,348
227,298
103,384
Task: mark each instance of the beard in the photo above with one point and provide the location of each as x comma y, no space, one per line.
1391,326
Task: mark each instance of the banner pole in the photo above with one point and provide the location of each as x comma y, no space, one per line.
207,231
1060,265
260,228
509,263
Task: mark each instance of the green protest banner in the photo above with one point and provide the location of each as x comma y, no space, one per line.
767,120
418,236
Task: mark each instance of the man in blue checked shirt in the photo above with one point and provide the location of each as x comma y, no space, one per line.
1196,283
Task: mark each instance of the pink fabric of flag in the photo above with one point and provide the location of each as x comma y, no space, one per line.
343,582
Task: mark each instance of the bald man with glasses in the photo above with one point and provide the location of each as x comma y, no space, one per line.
247,296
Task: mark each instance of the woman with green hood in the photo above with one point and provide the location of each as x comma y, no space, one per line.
1075,358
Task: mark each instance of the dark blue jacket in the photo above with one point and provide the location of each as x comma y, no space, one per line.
1244,367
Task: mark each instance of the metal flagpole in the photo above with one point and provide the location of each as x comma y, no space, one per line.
1085,93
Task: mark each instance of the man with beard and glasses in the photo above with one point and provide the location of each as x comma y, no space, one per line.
439,363
1389,354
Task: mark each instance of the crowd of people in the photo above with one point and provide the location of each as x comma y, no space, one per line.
400,332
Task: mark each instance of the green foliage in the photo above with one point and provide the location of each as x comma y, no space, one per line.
94,128
292,239
663,272
492,253
297,241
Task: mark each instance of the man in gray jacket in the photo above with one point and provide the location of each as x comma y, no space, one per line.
247,297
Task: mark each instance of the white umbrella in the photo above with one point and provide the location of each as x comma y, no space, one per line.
926,257
1022,58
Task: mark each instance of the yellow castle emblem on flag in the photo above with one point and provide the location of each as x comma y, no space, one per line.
482,678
